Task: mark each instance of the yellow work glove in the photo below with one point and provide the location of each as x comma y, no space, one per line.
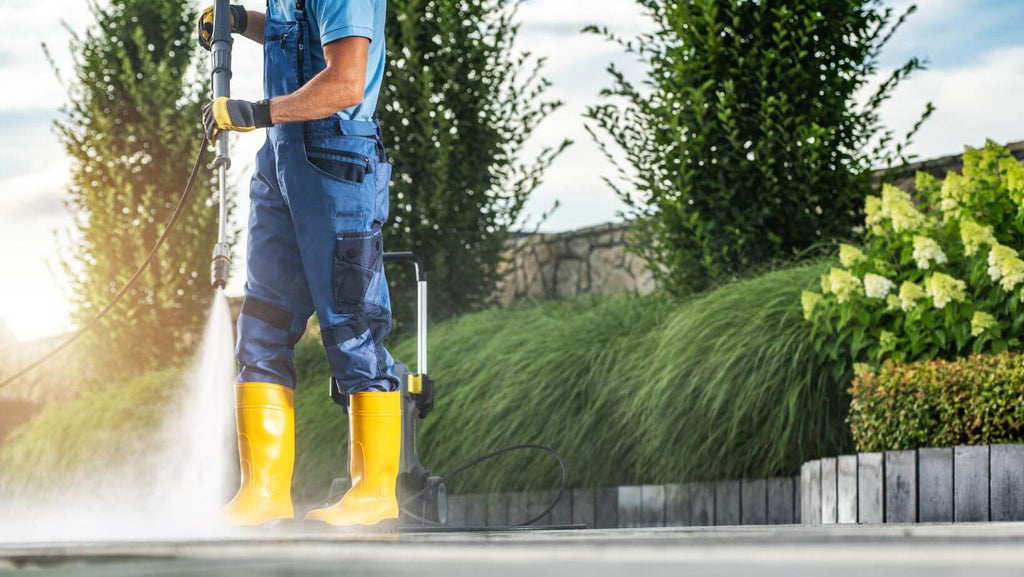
204,31
236,115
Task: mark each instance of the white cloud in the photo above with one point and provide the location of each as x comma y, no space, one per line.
972,103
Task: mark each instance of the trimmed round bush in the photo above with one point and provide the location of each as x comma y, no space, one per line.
972,401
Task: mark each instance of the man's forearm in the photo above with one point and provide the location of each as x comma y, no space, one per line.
339,86
257,22
319,98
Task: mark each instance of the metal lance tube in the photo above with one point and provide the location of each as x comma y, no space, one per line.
220,55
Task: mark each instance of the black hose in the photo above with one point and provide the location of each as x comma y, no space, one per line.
487,457
178,210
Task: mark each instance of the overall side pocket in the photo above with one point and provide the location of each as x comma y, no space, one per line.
358,257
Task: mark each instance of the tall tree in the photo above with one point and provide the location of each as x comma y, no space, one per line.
748,141
132,129
457,104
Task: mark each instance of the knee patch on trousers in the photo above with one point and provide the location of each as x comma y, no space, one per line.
266,343
358,259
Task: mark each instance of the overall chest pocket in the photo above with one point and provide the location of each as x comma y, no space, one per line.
281,59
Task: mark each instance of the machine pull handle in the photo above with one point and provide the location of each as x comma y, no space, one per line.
421,304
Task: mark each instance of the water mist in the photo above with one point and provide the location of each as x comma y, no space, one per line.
175,480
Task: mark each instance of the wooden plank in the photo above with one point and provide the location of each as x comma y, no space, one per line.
652,506
456,511
970,484
677,505
810,487
829,491
583,507
1007,471
629,506
754,502
518,508
782,501
562,513
606,508
935,485
537,503
497,510
870,488
797,500
702,504
727,503
476,510
846,489
901,487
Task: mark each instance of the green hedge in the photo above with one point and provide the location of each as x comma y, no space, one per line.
973,401
630,390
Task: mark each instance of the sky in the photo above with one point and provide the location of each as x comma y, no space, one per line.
975,78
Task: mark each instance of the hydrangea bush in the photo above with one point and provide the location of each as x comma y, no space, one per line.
938,276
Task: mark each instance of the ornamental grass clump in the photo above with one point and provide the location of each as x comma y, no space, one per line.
939,273
973,401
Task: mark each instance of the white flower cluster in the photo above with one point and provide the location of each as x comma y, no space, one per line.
927,251
975,236
877,287
1005,267
944,289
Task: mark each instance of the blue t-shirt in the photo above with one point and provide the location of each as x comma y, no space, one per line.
336,19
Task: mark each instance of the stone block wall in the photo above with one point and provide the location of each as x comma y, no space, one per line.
567,265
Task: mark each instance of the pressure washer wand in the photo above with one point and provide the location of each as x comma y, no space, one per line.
220,54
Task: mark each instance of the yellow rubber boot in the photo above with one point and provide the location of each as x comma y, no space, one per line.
266,449
375,444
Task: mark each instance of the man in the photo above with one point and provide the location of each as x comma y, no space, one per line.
319,199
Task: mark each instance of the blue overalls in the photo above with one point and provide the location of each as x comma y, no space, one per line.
319,199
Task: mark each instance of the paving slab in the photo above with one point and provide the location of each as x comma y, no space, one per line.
856,551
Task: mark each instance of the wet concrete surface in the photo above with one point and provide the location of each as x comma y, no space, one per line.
935,551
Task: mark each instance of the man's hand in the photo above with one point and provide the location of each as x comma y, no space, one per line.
236,115
204,26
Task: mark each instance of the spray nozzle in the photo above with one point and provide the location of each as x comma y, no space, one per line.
221,265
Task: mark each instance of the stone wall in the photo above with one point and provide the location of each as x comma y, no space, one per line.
592,260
